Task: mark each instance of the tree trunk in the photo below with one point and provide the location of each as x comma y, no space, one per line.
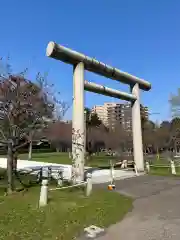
57,149
157,153
175,148
10,187
15,157
30,150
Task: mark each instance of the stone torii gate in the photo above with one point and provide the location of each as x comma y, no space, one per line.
81,63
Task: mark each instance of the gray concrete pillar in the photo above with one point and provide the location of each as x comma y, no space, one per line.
136,130
78,127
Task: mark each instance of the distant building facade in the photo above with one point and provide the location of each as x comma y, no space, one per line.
112,113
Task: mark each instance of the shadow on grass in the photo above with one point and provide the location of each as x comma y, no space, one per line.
22,181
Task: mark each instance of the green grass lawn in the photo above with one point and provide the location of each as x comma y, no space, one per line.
65,217
53,157
159,169
63,158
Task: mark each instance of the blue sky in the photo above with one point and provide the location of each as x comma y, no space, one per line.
138,36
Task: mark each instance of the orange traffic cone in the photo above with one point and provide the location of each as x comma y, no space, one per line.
111,187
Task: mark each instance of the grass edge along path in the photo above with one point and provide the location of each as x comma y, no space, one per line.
63,158
65,217
163,168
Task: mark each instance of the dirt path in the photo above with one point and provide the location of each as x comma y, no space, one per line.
156,213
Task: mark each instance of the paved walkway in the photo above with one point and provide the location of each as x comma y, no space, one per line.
156,213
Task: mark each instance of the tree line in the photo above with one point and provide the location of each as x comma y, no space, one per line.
165,136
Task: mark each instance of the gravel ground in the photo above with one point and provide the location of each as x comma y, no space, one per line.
156,213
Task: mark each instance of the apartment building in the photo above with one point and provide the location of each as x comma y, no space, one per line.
113,113
144,112
101,112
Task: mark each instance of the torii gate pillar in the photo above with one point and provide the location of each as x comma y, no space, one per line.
137,130
78,126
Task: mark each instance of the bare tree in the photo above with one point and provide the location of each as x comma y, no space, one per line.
116,138
175,104
148,133
97,135
175,122
59,134
24,108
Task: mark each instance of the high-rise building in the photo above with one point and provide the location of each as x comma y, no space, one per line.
112,113
144,112
100,111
